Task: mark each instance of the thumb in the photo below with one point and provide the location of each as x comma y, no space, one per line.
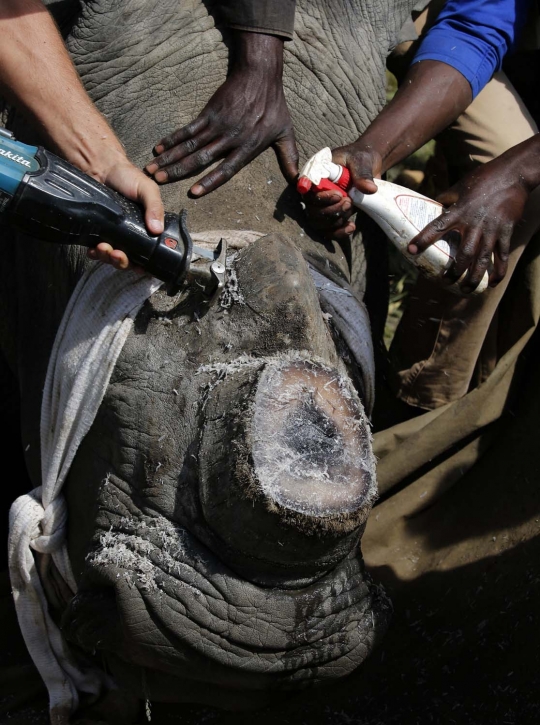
434,231
287,156
149,196
364,166
128,180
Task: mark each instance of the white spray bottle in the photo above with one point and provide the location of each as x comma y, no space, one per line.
401,213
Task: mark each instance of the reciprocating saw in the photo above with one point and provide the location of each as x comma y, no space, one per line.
50,199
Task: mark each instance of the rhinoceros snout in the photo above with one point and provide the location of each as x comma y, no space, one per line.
287,474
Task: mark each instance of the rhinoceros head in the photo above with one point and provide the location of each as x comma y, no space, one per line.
217,503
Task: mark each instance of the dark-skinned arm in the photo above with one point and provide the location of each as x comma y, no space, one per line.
457,57
484,207
432,95
245,116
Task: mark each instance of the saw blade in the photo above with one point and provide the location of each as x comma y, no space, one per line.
202,252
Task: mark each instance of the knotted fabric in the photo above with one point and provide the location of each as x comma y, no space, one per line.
93,331
94,328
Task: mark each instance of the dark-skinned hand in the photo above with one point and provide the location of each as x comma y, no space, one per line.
406,123
245,116
483,208
330,211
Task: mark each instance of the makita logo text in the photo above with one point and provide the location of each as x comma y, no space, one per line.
15,157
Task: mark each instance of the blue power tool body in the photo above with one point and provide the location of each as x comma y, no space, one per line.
50,199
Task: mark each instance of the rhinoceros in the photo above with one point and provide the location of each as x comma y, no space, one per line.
205,571
216,505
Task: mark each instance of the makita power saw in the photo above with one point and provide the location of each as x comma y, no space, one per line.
48,198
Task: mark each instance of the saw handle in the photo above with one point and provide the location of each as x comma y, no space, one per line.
58,203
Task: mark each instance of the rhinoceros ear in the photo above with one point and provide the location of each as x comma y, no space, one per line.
287,472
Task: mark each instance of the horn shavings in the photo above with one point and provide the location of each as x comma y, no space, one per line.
143,550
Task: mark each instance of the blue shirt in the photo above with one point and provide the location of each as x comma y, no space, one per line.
473,36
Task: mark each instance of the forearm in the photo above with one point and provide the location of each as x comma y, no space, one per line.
431,97
247,114
37,75
258,53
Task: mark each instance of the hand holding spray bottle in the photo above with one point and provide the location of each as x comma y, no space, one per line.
401,213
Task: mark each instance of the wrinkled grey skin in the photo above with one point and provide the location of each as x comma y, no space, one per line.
194,583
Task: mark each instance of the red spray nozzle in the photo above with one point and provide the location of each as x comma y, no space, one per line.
341,182
344,181
303,185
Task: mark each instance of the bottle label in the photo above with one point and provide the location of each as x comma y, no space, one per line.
418,211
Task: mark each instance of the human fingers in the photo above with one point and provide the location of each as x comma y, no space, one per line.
331,217
287,156
182,134
104,252
432,232
481,261
321,199
466,254
231,165
200,160
341,232
178,152
130,181
332,225
119,259
331,221
149,196
320,204
363,164
329,213
501,254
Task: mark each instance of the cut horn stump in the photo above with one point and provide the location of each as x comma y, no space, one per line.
288,476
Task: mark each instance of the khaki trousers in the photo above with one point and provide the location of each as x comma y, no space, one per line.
444,344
